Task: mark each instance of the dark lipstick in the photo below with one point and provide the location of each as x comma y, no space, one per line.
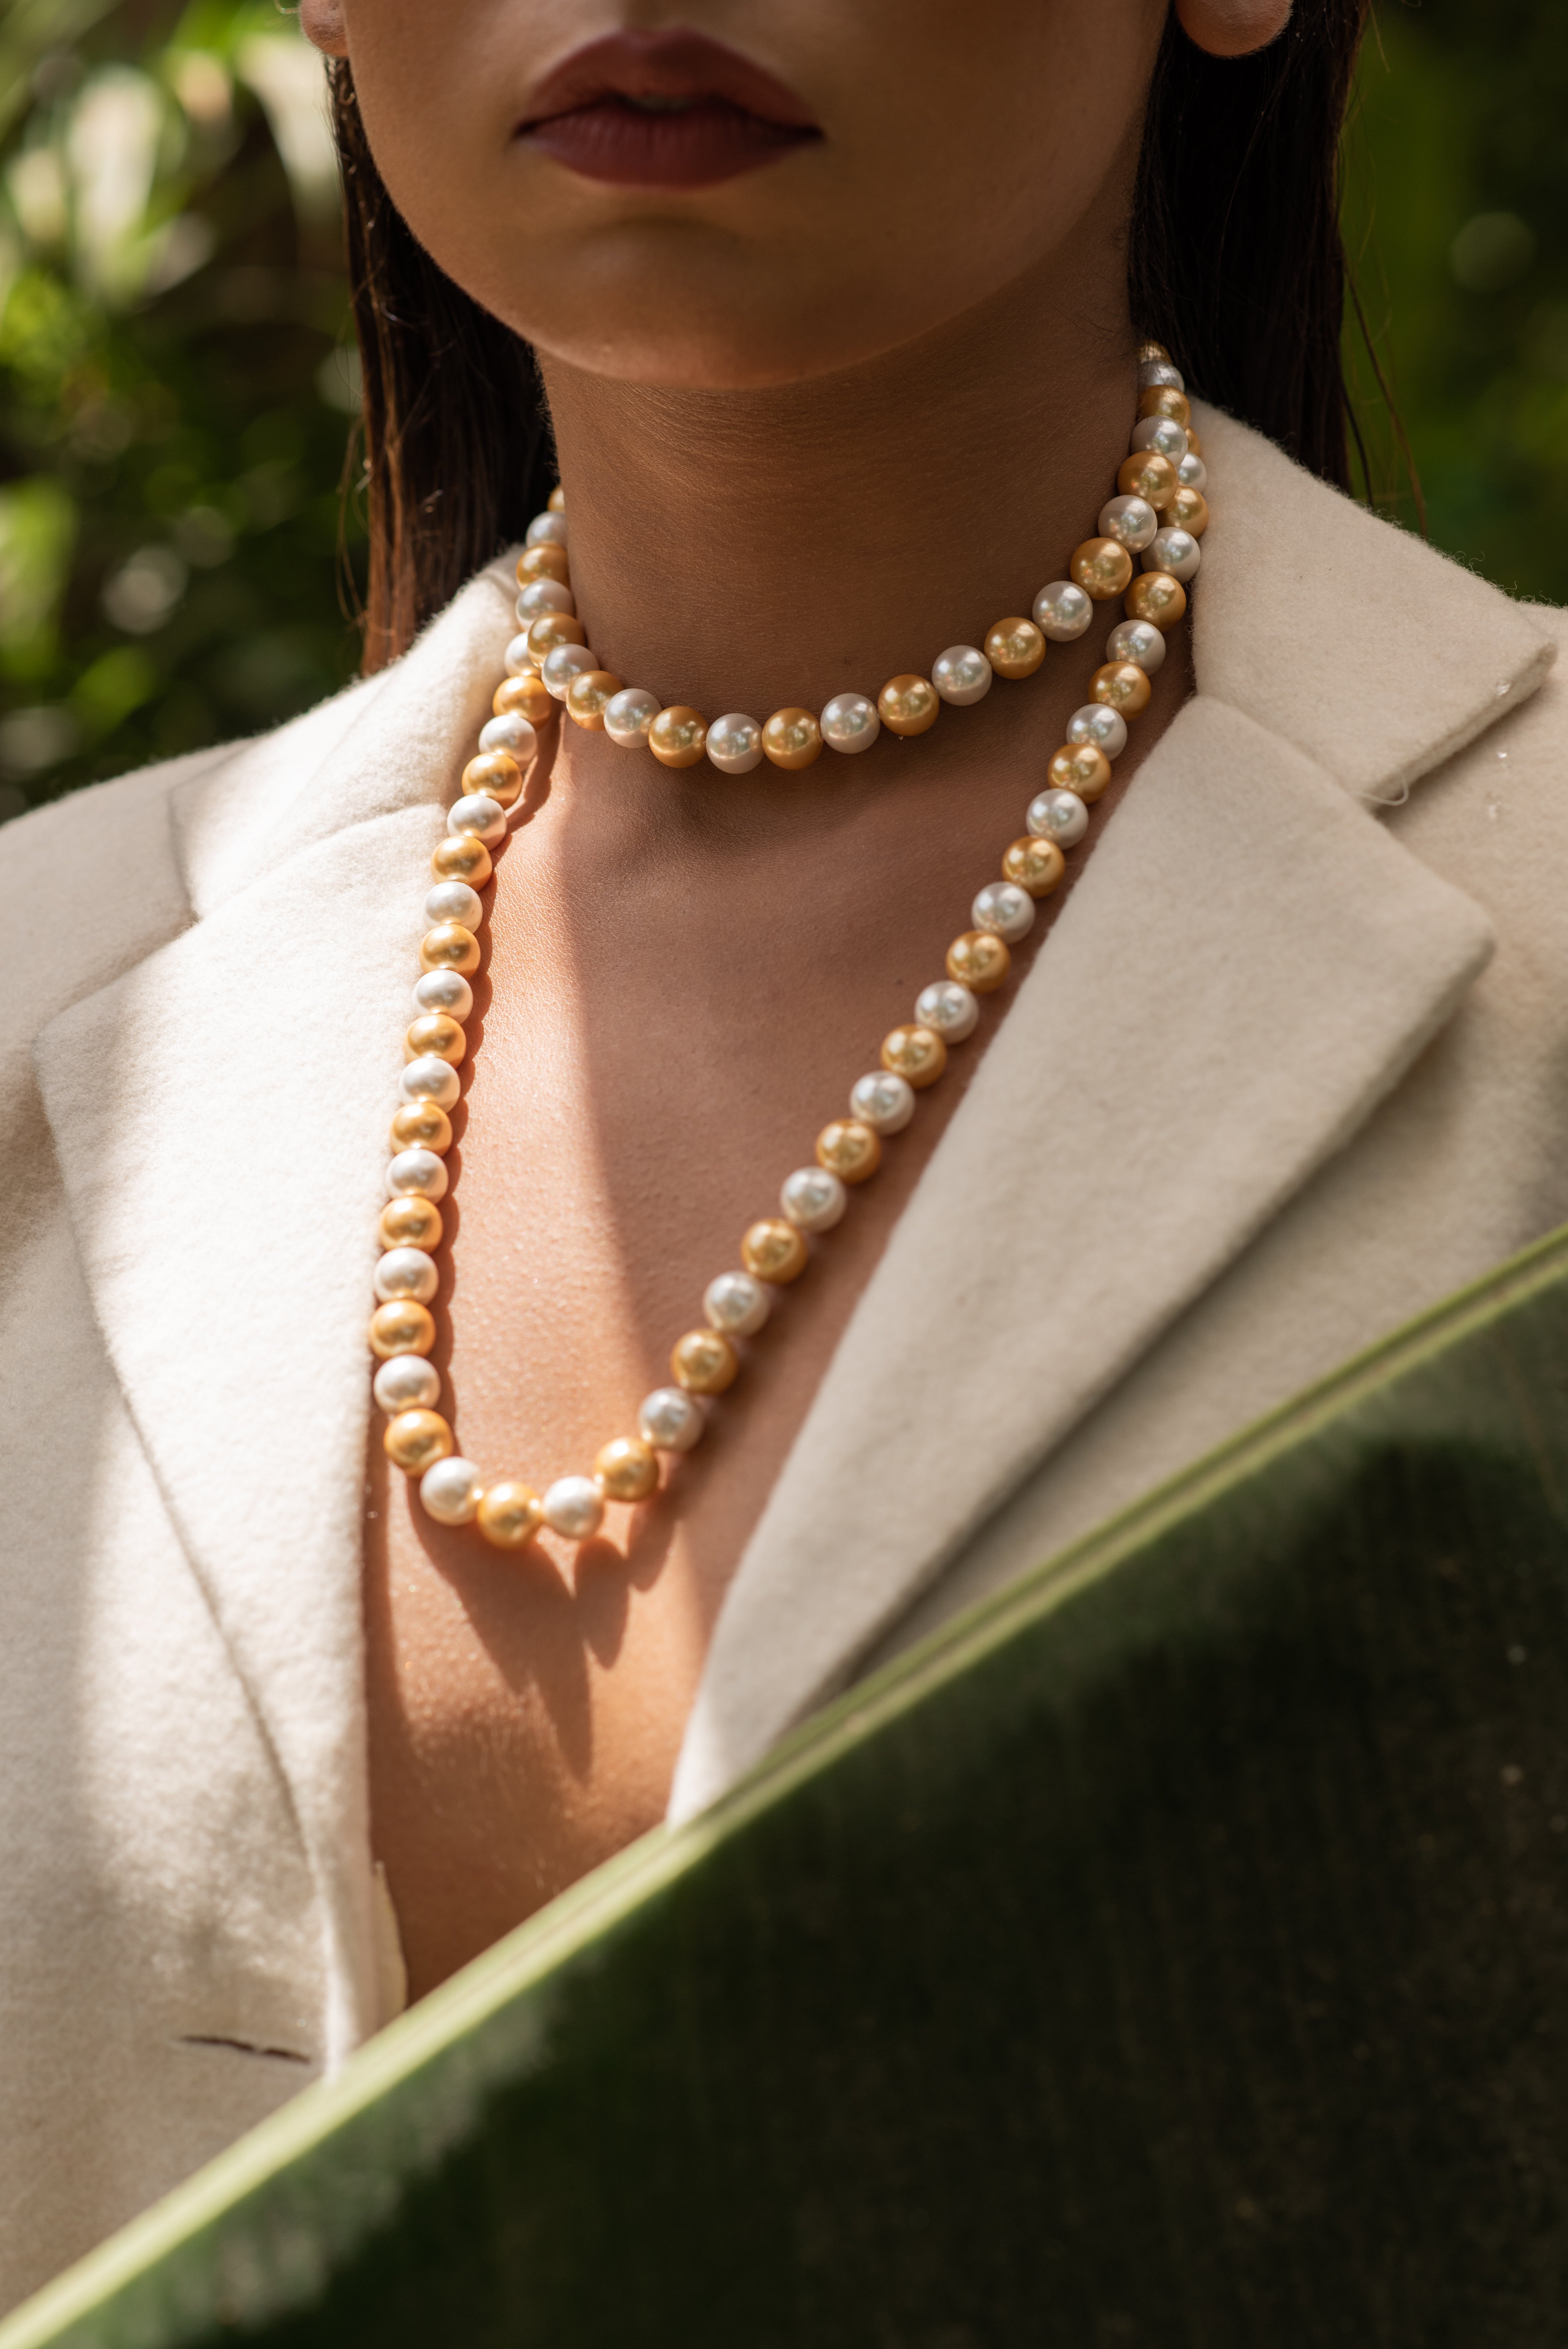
665,109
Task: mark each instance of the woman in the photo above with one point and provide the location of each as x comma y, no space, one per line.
1250,1049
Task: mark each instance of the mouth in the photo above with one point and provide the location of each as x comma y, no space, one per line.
665,109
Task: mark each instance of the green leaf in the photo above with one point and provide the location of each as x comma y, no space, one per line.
1173,1951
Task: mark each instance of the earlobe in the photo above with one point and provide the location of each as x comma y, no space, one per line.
1233,29
320,21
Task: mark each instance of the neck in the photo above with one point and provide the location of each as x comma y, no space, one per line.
745,549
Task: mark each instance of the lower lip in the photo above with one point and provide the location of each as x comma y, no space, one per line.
695,148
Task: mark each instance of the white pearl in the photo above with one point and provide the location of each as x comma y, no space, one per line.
444,990
735,743
428,1079
949,1007
1176,551
670,1419
1003,909
451,1491
408,1382
1139,641
544,596
563,664
736,1304
454,901
1154,373
1193,473
628,716
1060,816
849,723
1131,521
882,1100
512,734
480,815
1106,729
962,675
575,1506
406,1272
518,656
813,1199
1062,611
417,1175
547,529
1161,433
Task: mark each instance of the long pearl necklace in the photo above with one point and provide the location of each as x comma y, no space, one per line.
1158,514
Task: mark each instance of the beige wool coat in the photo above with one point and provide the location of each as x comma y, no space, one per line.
1291,1066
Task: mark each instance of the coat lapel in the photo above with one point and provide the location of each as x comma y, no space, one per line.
218,1114
1247,966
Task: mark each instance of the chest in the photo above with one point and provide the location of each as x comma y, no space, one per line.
660,1029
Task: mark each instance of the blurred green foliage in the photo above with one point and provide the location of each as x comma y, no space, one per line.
174,385
176,380
1457,188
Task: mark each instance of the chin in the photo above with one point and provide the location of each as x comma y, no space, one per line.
739,322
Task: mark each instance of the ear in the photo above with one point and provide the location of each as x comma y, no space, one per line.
1225,28
320,21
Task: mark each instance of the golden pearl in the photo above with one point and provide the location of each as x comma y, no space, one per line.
462,857
1195,447
449,947
402,1326
979,961
1014,648
774,1250
677,737
1101,568
526,696
510,1514
1120,685
792,740
497,775
1081,767
422,1126
626,1470
553,629
436,1033
850,1150
1148,475
411,1223
557,499
1156,595
1188,510
705,1362
917,1054
909,704
1036,865
1164,399
547,561
416,1440
587,695
1150,353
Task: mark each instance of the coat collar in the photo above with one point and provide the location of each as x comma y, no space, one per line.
227,1193
1247,966
220,1114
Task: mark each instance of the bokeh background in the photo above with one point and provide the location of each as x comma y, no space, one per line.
177,384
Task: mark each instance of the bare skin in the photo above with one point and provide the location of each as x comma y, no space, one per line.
687,972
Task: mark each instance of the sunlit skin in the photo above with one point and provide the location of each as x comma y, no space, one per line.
814,422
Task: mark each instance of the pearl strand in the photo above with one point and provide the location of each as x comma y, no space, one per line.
1162,477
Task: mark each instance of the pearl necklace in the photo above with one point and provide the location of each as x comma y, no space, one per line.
1159,513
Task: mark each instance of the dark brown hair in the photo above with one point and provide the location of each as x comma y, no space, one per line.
1235,261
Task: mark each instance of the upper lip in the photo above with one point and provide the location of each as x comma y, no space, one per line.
674,63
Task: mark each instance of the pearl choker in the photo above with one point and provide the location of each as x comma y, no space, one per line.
1159,514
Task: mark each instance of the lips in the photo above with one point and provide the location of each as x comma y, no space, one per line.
665,109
